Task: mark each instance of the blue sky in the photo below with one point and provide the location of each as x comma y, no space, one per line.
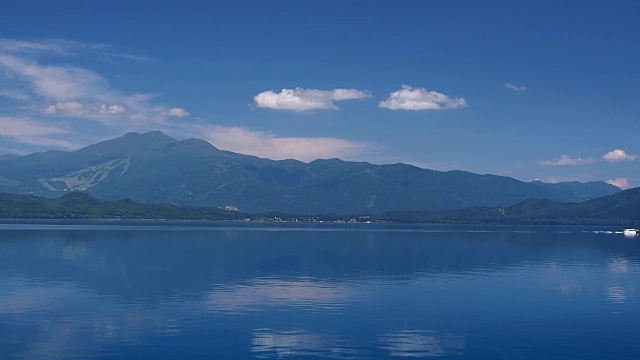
536,89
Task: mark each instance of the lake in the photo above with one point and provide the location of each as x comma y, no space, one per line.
144,289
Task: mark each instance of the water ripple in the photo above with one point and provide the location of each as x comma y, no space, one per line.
420,344
616,294
268,343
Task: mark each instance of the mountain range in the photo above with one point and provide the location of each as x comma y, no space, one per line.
155,168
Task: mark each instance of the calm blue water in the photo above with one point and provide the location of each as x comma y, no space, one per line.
234,291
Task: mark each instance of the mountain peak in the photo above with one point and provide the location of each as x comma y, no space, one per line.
157,135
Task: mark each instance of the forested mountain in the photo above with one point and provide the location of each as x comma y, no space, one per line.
155,168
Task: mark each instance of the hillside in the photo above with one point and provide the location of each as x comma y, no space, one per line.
79,205
621,208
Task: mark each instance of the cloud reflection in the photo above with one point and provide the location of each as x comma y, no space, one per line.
259,293
21,299
88,335
616,294
65,321
267,343
619,266
421,344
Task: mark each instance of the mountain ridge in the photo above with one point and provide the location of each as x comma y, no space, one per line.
155,168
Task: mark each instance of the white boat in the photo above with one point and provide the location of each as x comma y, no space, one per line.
631,232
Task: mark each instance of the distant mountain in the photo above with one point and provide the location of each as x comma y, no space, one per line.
624,205
155,168
620,208
576,191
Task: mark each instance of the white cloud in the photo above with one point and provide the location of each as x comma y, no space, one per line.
307,99
53,46
71,107
32,132
567,160
58,83
515,87
71,91
89,111
65,48
622,183
111,109
271,146
618,156
177,112
409,98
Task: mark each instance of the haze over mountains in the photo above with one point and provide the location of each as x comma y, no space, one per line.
155,168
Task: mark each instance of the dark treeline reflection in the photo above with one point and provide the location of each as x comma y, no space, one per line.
156,263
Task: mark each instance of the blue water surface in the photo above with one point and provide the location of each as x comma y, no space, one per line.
145,289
